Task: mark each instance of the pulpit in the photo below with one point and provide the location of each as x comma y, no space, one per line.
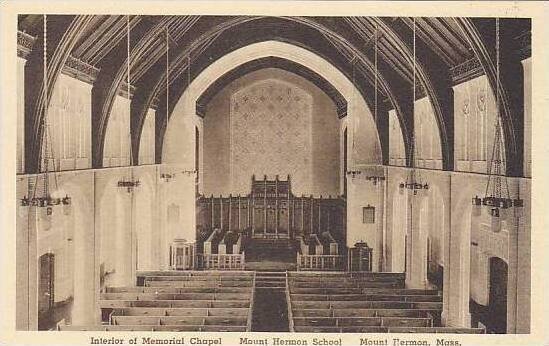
360,257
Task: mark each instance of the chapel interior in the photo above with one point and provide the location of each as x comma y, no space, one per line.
292,174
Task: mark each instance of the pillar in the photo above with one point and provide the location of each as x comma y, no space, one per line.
416,272
457,246
27,270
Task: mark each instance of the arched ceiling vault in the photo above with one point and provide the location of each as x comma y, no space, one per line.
443,46
272,62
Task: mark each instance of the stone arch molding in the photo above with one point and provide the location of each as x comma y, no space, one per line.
180,132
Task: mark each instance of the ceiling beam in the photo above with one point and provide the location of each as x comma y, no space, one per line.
480,34
272,62
433,75
113,70
308,29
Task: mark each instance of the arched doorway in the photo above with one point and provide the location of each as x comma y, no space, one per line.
494,315
46,290
497,307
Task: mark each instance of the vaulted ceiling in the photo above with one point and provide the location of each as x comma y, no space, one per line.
366,49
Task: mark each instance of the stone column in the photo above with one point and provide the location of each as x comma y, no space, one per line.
457,241
86,260
417,259
27,270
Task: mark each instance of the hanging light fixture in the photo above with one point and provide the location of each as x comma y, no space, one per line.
413,180
129,183
497,196
167,176
375,178
45,200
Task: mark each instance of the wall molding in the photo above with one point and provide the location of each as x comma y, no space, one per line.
466,71
73,67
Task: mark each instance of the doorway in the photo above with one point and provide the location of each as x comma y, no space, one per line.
497,306
46,290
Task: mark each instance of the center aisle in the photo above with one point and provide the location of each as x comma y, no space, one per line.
270,313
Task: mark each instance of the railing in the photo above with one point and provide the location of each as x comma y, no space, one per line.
321,262
289,306
250,312
220,261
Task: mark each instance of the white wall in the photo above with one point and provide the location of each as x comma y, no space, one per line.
428,152
147,140
397,154
116,152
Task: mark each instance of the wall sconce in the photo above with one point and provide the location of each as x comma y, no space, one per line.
167,176
353,173
130,185
375,178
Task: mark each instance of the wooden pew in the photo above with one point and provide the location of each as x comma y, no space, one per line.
330,243
315,246
211,244
237,246
303,246
338,329
447,330
114,304
175,290
196,273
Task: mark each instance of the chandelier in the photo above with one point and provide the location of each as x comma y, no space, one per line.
497,196
373,178
413,180
45,200
129,182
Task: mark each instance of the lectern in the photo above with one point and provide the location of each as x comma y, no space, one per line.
360,257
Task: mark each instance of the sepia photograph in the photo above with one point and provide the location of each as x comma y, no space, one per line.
198,175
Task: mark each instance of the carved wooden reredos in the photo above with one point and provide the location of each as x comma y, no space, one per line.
272,209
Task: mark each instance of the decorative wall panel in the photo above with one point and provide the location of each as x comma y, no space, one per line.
474,122
397,155
270,125
117,139
68,126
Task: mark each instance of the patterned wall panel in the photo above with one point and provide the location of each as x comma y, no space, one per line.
474,121
270,124
68,127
